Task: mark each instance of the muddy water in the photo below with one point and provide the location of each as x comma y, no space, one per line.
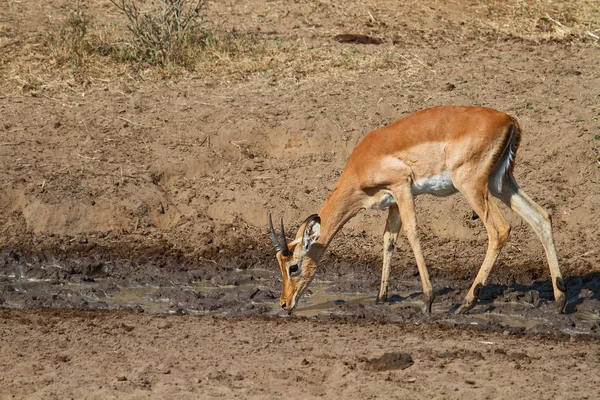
499,314
238,292
321,302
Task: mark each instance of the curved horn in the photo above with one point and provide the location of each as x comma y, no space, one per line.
285,251
276,243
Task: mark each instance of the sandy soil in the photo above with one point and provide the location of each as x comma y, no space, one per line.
116,355
131,188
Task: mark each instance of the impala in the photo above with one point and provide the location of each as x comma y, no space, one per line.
437,151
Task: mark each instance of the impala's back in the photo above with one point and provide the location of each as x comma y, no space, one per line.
430,144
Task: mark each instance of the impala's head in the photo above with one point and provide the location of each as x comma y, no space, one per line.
297,260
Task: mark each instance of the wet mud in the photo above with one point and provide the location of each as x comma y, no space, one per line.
169,287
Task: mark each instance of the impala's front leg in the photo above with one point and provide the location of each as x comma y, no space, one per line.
405,200
392,228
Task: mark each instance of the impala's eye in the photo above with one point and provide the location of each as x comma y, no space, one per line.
293,269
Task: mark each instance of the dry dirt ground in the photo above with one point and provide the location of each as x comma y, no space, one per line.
98,355
134,187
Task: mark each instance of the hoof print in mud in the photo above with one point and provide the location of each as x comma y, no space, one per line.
389,361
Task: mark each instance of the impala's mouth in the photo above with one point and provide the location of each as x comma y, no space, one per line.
289,309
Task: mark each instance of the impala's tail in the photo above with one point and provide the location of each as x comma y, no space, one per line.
506,161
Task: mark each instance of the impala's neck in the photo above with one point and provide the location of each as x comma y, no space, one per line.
343,203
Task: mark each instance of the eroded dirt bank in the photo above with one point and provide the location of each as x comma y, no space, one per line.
105,157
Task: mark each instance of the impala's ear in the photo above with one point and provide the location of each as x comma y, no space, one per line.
312,231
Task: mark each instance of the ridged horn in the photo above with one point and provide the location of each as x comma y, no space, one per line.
276,243
285,250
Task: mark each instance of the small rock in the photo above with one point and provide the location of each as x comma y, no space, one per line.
63,358
390,361
355,38
138,309
166,325
121,378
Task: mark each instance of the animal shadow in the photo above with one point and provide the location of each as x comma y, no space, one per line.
579,289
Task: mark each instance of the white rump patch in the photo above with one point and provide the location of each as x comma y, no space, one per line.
438,185
507,159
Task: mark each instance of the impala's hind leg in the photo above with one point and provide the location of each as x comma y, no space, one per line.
392,227
514,197
498,229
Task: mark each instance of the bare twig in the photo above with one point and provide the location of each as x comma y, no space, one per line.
10,143
592,35
236,143
14,42
555,21
88,158
135,123
371,16
338,125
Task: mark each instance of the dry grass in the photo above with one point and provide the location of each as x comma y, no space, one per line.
545,19
93,41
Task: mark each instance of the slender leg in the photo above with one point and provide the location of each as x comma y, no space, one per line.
514,197
405,201
392,227
498,230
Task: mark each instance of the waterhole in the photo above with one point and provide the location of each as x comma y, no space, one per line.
256,292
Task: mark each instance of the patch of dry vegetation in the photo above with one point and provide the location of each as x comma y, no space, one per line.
545,19
168,35
126,39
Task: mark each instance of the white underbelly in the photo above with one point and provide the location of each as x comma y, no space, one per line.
437,185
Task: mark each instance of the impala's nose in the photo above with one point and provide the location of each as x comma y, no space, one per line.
283,305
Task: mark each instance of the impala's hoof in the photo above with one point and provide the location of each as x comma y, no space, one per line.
560,296
477,291
469,303
466,306
561,303
427,300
